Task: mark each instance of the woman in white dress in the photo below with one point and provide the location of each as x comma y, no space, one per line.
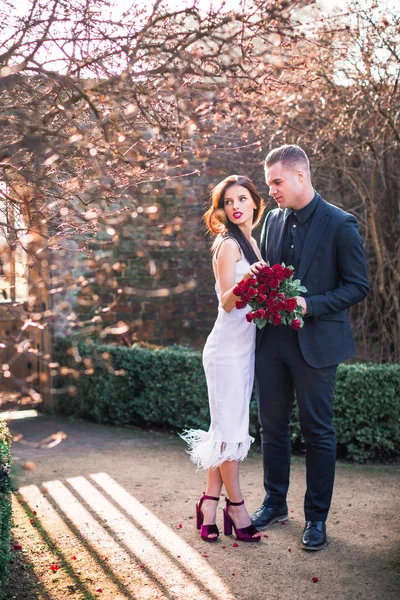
228,360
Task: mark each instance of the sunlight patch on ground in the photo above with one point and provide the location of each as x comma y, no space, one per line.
167,538
184,577
101,539
128,553
12,415
75,573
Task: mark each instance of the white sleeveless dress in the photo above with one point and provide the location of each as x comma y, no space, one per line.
228,361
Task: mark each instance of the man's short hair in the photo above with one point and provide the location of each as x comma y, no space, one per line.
289,155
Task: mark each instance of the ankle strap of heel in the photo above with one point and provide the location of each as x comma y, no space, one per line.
205,497
229,503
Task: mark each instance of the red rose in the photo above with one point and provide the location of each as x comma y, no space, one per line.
266,271
273,293
281,305
273,282
262,279
249,317
252,292
279,272
259,314
287,272
291,304
261,298
262,288
277,268
240,304
272,306
277,319
295,324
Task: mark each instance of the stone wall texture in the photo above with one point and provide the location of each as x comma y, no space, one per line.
162,253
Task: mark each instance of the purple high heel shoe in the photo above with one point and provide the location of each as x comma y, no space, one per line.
245,534
205,530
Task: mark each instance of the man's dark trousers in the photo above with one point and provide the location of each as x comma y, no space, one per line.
280,367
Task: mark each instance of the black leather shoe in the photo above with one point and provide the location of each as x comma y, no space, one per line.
314,536
264,516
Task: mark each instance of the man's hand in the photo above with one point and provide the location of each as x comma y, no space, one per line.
301,302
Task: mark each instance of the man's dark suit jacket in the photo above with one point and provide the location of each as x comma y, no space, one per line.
334,270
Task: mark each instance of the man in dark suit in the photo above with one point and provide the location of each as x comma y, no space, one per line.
324,246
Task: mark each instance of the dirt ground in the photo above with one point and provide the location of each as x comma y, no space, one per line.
108,513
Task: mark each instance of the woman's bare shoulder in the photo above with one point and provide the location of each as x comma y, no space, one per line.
227,245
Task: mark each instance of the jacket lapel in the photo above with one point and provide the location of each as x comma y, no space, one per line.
272,236
318,224
277,241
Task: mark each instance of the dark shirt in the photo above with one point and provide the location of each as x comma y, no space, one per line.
297,224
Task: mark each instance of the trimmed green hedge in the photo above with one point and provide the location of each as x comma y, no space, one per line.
166,387
5,504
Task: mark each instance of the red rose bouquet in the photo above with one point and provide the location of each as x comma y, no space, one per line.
272,297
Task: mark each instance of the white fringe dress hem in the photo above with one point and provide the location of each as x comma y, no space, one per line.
206,452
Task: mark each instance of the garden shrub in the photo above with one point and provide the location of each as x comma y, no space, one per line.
367,407
166,387
5,504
